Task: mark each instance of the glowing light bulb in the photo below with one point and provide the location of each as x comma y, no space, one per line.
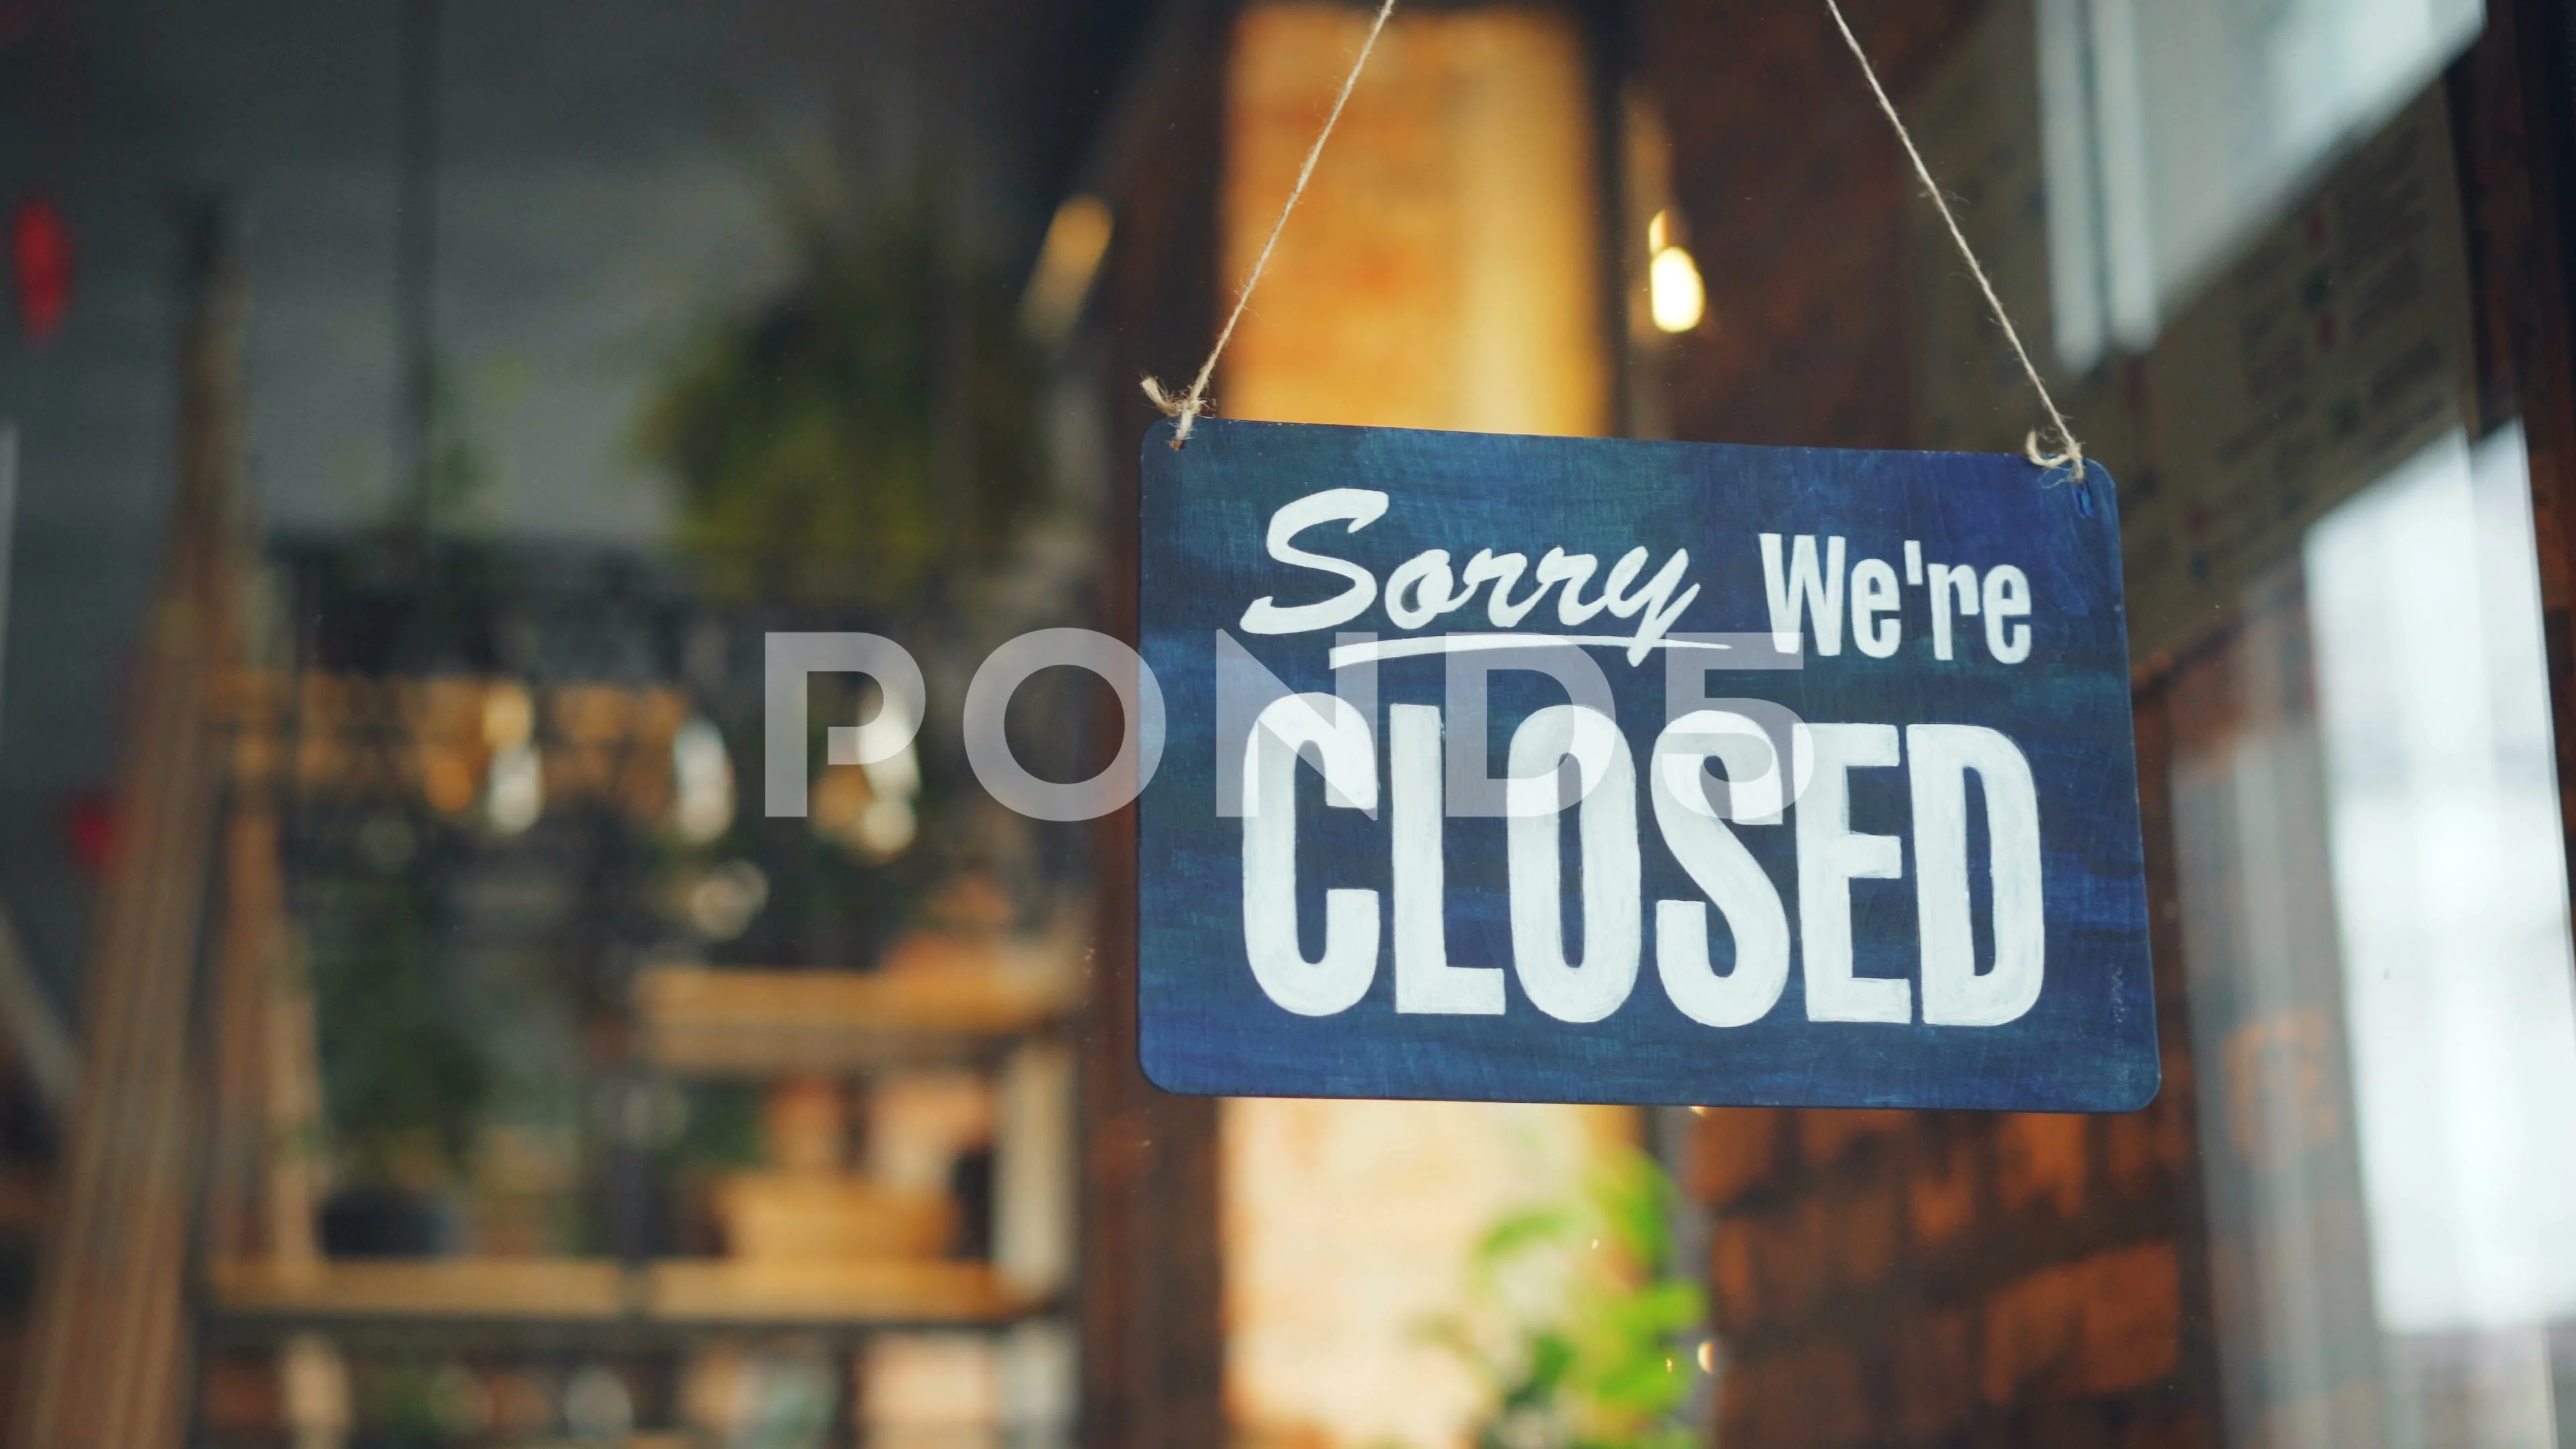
702,778
1674,294
1067,261
515,790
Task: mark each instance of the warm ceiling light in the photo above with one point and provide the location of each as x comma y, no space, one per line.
1075,242
1673,291
702,782
514,790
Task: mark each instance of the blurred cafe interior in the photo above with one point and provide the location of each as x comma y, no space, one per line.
415,414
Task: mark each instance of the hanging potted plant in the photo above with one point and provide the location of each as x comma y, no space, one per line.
853,450
404,1078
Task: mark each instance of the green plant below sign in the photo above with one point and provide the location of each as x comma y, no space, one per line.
1575,1320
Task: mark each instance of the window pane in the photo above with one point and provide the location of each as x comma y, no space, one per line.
2374,895
2176,127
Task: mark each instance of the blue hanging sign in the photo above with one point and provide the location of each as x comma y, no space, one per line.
1549,769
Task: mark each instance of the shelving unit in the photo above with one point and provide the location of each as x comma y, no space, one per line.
730,1023
596,1299
341,737
695,1021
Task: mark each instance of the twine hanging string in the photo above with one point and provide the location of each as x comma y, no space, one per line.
1188,408
2070,453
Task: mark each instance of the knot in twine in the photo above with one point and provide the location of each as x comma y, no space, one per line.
2073,456
1187,409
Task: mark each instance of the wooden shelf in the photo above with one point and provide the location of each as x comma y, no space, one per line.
592,1298
724,1290
567,1289
935,1000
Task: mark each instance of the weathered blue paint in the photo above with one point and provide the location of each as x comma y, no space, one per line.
2087,1044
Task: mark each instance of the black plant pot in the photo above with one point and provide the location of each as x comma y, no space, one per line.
386,1222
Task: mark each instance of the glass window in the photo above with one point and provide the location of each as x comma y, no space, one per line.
2374,912
423,1024
2175,127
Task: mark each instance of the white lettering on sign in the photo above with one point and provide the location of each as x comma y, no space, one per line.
1424,588
1339,737
1424,979
1356,507
1952,587
1804,591
1813,586
1806,582
2007,597
1831,855
1585,743
1606,826
1941,757
1723,870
